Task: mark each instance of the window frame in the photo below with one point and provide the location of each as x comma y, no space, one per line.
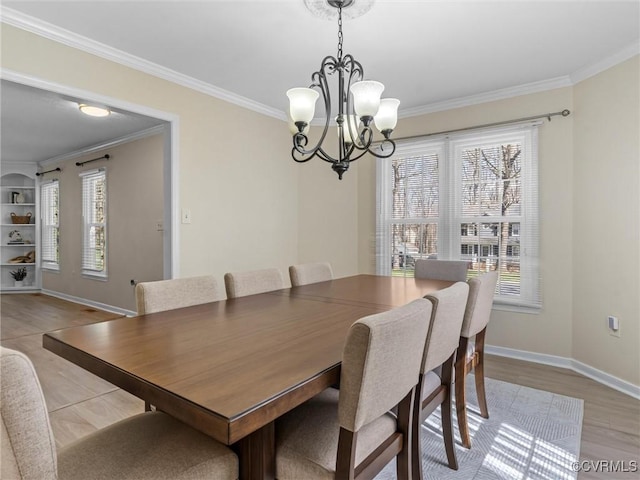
49,229
451,220
89,181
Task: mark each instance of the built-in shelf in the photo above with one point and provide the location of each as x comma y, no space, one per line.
18,197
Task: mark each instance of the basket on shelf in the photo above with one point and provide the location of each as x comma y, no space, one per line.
20,219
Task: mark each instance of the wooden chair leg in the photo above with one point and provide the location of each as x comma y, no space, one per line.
445,413
416,421
479,374
346,459
461,405
405,414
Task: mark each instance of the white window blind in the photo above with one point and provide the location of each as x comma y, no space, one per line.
50,225
471,196
94,219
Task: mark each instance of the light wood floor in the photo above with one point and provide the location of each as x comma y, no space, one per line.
80,403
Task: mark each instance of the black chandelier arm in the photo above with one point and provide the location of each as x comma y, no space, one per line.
301,159
387,155
365,137
301,155
354,68
328,65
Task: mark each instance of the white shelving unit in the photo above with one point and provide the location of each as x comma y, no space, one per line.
18,196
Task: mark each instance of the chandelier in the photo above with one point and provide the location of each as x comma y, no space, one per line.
359,104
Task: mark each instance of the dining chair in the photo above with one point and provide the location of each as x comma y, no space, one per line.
436,375
310,273
147,445
452,270
162,295
240,284
470,355
350,433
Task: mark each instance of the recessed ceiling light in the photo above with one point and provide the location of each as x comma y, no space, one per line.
93,110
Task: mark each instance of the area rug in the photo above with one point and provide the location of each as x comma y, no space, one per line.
531,434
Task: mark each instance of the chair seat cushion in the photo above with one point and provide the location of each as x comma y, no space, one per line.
307,438
150,446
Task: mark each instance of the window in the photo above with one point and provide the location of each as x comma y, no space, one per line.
469,196
94,220
50,224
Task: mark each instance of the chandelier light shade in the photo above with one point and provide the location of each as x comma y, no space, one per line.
302,104
387,116
359,104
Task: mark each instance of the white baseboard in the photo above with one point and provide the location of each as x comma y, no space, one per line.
89,303
599,376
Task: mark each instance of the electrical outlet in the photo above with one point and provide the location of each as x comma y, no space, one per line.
614,325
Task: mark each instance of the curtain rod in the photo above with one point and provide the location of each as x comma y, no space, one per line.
48,171
548,116
107,156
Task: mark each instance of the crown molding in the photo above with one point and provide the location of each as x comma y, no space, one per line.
606,63
158,129
504,93
61,35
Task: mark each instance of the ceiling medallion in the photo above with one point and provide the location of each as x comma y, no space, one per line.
328,9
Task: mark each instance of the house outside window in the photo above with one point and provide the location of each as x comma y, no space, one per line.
469,196
94,221
50,225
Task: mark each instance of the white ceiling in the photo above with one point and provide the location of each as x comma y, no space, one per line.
429,54
38,125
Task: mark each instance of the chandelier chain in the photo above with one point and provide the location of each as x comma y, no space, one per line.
339,33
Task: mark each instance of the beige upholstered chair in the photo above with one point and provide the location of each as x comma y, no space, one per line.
350,433
310,273
471,354
240,284
176,293
452,270
146,446
435,383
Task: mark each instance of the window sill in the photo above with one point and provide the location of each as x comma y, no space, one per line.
93,276
525,309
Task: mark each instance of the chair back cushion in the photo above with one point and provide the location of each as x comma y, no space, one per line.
310,273
479,304
444,332
240,284
176,293
381,362
28,446
452,270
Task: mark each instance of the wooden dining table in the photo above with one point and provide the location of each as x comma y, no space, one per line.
231,368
